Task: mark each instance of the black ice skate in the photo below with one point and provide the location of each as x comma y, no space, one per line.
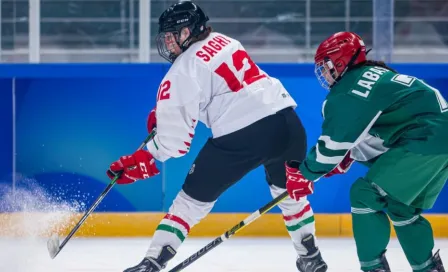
438,265
312,262
154,265
384,265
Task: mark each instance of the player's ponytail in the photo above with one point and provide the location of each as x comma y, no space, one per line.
375,63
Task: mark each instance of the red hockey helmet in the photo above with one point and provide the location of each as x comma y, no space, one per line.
336,54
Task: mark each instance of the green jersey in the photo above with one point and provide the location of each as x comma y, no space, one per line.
372,109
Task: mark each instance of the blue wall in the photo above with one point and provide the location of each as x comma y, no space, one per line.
73,120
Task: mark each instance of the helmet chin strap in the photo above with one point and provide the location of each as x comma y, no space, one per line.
348,66
183,46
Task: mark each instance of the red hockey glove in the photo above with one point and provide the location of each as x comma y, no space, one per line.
296,184
152,121
140,165
342,167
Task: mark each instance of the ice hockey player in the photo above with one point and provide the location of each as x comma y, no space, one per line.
395,124
213,79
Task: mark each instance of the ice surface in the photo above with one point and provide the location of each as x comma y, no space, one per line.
235,255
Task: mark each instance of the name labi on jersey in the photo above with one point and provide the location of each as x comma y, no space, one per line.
367,81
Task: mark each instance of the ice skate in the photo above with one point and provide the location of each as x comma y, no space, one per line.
438,265
154,265
384,265
312,262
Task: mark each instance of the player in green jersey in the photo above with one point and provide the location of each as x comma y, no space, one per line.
395,124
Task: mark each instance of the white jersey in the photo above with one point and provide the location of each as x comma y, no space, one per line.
216,82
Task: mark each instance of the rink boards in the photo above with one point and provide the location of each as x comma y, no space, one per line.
144,224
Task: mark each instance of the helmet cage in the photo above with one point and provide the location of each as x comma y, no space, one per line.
325,72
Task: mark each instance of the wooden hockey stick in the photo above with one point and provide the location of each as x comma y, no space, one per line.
53,244
254,216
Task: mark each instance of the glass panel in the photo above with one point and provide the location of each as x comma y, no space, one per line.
14,31
361,8
328,8
89,30
421,31
108,30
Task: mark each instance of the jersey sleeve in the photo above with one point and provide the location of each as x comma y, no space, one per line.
177,113
347,121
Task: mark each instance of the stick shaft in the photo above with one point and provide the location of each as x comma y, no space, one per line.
235,229
92,208
98,200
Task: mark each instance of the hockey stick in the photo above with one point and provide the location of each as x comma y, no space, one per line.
254,216
53,244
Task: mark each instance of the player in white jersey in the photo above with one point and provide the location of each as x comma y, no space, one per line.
212,79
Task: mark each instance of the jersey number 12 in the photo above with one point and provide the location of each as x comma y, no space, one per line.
250,75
